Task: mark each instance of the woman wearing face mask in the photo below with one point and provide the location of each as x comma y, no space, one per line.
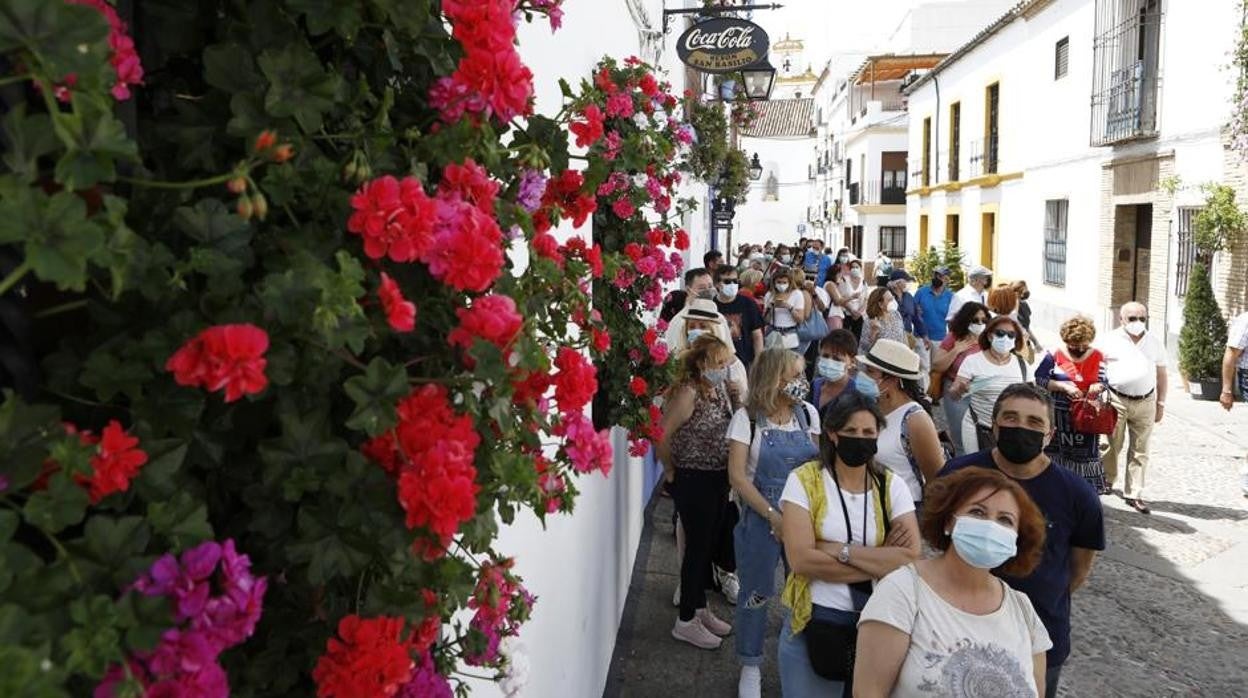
1075,372
941,625
983,376
853,296
1004,300
961,342
909,445
703,318
784,308
774,433
695,465
847,522
834,370
883,320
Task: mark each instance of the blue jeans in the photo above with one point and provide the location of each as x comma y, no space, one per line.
955,411
797,678
757,554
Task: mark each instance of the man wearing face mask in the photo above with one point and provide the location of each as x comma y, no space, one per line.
978,278
1022,426
698,284
745,321
911,318
1135,366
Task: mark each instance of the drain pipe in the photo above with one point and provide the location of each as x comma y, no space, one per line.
936,132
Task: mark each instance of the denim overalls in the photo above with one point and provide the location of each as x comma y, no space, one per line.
757,551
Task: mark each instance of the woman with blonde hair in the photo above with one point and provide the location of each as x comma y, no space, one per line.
774,433
883,320
751,280
1075,372
695,466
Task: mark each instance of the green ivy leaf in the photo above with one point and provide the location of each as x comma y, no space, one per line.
58,29
299,86
230,67
110,376
58,236
158,478
63,504
24,430
183,520
326,554
95,642
326,15
110,541
28,138
305,450
98,141
375,393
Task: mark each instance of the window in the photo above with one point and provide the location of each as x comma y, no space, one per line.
1187,251
992,109
1061,58
923,232
953,229
955,139
927,151
1126,50
893,241
1055,242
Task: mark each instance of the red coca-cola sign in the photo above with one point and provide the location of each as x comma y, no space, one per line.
722,45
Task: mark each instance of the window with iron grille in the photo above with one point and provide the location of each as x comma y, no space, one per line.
1186,252
893,241
955,139
1055,242
927,151
991,131
1126,50
1061,58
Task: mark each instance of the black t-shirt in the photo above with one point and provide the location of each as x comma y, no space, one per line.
743,318
674,303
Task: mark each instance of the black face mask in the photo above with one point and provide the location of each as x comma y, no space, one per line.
1026,295
1076,354
1019,445
853,451
937,282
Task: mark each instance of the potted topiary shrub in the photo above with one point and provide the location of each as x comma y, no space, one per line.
1203,337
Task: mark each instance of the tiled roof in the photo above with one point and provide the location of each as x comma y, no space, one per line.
780,118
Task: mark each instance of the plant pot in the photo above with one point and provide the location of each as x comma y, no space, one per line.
1205,389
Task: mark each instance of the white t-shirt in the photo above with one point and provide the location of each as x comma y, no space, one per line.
834,310
951,649
783,317
854,293
1131,367
826,300
739,431
891,452
966,294
1237,338
832,528
988,380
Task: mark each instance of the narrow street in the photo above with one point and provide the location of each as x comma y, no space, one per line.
1165,612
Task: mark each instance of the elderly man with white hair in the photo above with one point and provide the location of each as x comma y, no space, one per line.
1135,366
978,280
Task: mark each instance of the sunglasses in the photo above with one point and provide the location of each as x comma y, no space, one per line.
1004,333
1137,319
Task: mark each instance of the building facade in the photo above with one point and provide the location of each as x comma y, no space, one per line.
1066,145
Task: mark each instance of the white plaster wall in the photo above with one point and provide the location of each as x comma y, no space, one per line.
757,220
580,565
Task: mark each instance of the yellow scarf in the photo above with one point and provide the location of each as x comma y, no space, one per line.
796,594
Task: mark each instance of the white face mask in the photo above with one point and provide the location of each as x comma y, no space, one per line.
786,258
1002,345
1136,328
856,272
830,369
729,291
892,306
694,334
715,376
977,328
781,288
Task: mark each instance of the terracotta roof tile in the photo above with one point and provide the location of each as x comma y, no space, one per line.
783,118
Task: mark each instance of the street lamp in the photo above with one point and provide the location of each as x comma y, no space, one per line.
759,78
756,168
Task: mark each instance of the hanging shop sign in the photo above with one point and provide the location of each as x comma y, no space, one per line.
722,45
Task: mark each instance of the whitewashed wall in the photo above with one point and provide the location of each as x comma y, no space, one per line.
580,566
758,220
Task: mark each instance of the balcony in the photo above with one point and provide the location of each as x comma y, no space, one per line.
1126,108
876,193
854,191
1126,50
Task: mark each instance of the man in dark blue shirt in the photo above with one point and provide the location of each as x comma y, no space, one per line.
1023,424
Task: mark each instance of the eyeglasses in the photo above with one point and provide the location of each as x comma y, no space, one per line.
1004,333
1137,319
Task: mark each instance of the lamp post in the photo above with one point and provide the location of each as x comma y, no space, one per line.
756,169
759,78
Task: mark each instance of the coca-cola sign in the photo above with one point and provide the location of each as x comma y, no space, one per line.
722,45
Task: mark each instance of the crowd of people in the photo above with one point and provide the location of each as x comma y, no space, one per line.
934,499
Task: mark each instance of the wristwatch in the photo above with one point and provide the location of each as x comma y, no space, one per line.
843,557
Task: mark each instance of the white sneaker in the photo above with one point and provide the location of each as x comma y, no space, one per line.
713,623
676,596
695,634
751,683
729,586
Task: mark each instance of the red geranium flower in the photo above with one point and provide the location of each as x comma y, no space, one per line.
400,312
682,240
638,386
576,382
467,249
229,357
369,657
394,218
600,340
588,132
114,465
623,208
545,245
492,318
472,183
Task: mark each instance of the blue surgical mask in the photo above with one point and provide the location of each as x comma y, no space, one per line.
694,334
866,386
982,543
1002,345
716,376
830,369
729,290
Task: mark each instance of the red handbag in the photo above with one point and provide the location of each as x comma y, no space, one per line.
1093,416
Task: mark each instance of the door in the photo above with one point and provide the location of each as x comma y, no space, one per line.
988,240
923,233
1143,252
952,234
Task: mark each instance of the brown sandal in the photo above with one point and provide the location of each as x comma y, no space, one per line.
1139,505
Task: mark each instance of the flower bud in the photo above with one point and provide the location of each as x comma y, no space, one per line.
260,204
283,152
265,140
245,209
238,185
349,171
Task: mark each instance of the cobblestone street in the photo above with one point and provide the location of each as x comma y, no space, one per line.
1165,612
